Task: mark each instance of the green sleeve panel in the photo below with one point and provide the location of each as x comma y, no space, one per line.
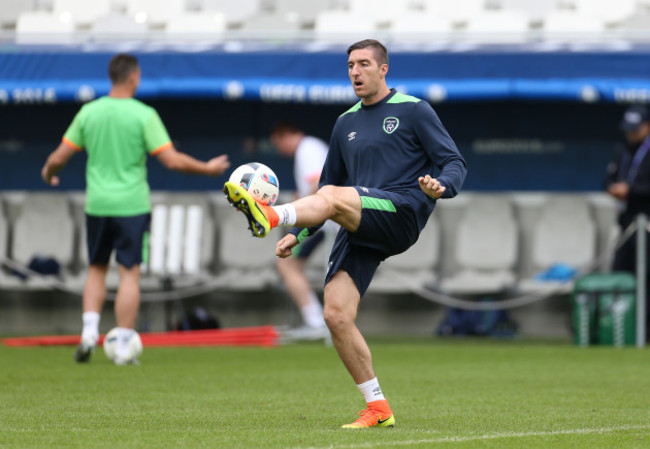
154,133
74,134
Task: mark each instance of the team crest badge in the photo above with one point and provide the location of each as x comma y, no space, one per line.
390,124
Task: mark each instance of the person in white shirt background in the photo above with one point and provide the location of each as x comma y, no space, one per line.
309,155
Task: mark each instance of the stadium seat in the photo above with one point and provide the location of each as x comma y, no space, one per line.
246,263
271,26
304,12
498,27
40,27
11,10
4,241
458,11
604,10
342,27
419,26
82,12
235,11
604,210
118,26
570,26
206,257
416,267
637,26
155,12
486,247
563,233
44,226
535,10
196,26
381,11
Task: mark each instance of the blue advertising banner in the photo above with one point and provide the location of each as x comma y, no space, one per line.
51,74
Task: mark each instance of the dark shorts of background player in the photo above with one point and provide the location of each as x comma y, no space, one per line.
126,235
382,233
307,247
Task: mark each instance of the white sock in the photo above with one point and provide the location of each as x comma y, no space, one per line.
90,330
312,313
371,390
287,214
123,337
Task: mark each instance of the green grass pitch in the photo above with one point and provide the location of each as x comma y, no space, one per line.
445,394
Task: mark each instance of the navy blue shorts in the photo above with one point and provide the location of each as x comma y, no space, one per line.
128,236
308,246
388,227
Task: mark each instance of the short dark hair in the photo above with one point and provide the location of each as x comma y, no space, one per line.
285,126
121,66
381,54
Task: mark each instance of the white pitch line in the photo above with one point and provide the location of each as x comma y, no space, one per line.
460,439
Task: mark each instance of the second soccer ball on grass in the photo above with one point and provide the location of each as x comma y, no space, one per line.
134,345
259,180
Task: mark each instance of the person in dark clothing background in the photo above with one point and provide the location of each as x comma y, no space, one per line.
628,180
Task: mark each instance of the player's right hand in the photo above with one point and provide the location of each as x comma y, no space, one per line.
285,245
49,178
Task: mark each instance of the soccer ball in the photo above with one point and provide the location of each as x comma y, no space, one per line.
259,180
110,346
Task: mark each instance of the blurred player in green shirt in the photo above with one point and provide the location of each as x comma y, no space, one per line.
118,131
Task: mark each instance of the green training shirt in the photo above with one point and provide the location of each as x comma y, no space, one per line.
117,134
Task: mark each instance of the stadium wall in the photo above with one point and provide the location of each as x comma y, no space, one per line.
514,145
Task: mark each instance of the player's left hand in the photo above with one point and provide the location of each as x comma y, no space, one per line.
431,186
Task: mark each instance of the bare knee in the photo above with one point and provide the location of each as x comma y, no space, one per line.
328,195
337,316
343,205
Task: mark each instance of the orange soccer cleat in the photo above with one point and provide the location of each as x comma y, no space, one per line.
377,414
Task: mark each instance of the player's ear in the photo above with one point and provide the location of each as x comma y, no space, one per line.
383,69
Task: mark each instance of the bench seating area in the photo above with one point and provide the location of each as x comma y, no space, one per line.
475,244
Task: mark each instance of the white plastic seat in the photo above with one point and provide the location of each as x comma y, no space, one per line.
636,26
235,11
486,247
564,233
458,11
304,12
155,11
4,240
342,27
118,27
381,11
605,10
415,267
498,27
83,12
44,226
11,10
535,10
196,26
269,26
40,27
205,259
571,26
246,263
419,26
604,210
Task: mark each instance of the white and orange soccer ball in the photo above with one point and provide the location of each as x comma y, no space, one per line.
259,180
